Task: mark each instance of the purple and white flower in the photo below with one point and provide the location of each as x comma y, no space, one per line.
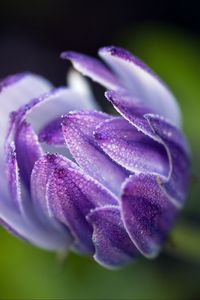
73,177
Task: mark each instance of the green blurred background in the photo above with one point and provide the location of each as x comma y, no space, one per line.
171,47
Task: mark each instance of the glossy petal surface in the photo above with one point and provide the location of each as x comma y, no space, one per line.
78,130
131,148
147,213
113,247
71,196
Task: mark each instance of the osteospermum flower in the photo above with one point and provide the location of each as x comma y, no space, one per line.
75,178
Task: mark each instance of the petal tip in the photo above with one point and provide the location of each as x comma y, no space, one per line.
9,80
109,95
68,55
106,49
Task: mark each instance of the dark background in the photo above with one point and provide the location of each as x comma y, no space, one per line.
33,33
166,35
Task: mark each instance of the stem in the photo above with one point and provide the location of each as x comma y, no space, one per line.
185,242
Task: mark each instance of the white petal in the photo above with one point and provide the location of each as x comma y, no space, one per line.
32,232
77,82
16,91
142,83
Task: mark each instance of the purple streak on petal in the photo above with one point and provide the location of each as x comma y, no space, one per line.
92,68
147,213
131,148
140,82
28,150
126,56
78,129
6,82
52,133
179,156
12,172
113,247
15,194
71,196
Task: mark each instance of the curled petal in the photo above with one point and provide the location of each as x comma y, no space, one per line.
165,133
131,110
28,150
71,196
18,215
78,129
50,106
47,109
131,148
147,213
15,91
140,82
113,247
179,158
92,68
34,233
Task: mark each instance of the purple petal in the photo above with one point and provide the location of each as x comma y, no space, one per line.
131,110
52,133
140,82
78,129
113,247
18,216
15,91
47,108
28,150
71,196
41,173
147,213
131,148
92,68
165,133
178,152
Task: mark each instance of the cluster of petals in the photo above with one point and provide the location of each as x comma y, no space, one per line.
75,178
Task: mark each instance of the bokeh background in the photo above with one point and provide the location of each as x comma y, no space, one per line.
166,36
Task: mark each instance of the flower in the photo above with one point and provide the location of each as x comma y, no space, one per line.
80,179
